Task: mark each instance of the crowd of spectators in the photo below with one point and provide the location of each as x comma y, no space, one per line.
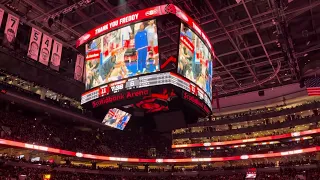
31,90
26,128
18,126
265,110
258,125
255,123
259,149
254,134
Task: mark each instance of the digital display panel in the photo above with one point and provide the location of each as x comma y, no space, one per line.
116,118
126,52
251,173
150,80
195,60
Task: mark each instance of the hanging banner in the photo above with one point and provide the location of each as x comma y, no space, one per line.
34,44
45,49
84,74
10,31
56,55
1,16
78,69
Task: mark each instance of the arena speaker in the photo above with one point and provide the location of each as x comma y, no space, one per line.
261,93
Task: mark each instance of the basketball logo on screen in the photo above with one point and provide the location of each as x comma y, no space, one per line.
151,12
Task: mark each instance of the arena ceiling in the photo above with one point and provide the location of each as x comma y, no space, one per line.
258,43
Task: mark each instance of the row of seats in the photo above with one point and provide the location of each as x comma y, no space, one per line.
234,125
25,128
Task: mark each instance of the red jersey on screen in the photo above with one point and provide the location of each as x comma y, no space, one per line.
129,44
204,62
155,49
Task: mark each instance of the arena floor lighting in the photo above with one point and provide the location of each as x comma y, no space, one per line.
138,160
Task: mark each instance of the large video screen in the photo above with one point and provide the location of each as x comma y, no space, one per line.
116,118
123,53
195,60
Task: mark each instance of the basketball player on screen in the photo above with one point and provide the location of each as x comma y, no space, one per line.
119,70
141,45
152,41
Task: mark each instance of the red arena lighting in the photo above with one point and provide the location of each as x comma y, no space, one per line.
138,160
139,16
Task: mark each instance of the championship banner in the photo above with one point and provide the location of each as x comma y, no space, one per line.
34,44
10,31
1,16
45,49
78,69
56,55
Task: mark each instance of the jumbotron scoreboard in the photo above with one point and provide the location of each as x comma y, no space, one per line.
124,66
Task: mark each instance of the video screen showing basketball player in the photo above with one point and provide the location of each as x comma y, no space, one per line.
93,79
195,61
116,118
129,51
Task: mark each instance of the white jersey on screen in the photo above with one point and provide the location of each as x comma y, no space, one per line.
125,33
151,30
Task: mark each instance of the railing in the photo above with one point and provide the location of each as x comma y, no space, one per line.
287,123
267,114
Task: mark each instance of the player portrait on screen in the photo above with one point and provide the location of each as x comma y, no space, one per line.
129,51
116,119
152,36
92,73
195,62
185,31
92,65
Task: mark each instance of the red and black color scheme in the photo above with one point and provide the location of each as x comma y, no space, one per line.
150,90
157,101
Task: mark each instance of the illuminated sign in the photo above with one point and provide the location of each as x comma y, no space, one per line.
141,15
121,21
180,160
194,100
143,82
120,97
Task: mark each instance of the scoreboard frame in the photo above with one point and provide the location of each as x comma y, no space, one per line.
191,92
